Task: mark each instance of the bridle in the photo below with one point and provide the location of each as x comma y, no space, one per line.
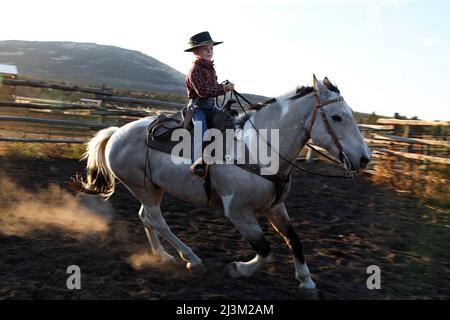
317,107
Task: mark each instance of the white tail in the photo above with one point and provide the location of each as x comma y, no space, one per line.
100,179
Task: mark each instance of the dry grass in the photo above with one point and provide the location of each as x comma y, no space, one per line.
428,181
42,150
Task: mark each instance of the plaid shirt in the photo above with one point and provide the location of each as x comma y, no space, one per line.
201,81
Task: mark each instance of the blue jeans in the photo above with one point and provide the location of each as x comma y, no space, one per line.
200,118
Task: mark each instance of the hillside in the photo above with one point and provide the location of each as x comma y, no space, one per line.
91,63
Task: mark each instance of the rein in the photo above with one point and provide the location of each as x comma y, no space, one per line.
317,105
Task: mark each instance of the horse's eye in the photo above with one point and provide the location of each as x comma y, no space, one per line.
336,118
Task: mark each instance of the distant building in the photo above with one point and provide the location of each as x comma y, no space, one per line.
7,93
8,71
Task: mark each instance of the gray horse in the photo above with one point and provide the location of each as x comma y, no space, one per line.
121,153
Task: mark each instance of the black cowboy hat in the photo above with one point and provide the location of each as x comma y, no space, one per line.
201,39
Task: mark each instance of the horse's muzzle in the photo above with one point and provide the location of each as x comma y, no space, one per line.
363,162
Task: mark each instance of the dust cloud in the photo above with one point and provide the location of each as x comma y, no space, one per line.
24,212
44,212
143,260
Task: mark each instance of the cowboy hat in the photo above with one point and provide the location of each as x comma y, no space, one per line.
201,39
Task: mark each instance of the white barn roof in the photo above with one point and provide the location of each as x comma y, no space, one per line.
8,69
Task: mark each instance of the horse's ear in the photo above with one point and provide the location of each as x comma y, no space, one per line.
330,86
315,83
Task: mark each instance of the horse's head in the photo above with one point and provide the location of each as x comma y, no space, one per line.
331,125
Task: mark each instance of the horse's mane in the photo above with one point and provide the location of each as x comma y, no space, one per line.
261,105
300,92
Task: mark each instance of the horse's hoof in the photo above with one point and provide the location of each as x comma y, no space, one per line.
198,268
309,291
308,285
233,270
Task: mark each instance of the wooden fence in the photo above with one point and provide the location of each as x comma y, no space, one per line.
38,120
75,122
412,156
426,141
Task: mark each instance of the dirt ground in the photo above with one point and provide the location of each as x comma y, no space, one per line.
345,225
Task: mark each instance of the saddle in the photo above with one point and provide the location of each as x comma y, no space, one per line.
160,130
164,125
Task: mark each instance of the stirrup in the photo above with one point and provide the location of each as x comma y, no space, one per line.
199,168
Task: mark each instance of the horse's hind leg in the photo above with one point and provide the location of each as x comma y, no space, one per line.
279,219
150,196
153,218
248,226
155,244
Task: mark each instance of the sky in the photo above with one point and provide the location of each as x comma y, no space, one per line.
385,56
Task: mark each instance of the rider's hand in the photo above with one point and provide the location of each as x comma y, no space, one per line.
228,87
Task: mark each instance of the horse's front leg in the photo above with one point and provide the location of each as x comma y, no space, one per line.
279,219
